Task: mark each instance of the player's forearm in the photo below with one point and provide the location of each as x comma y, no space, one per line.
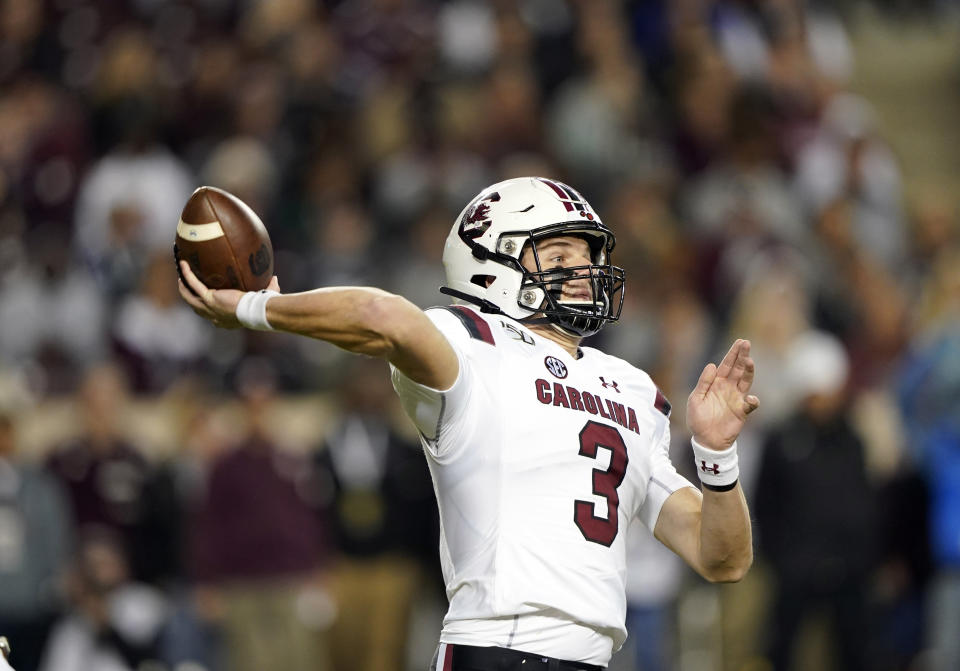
357,319
372,322
726,539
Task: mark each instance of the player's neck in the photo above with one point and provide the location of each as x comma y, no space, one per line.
569,342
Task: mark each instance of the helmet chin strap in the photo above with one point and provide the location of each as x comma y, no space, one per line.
491,308
560,329
484,305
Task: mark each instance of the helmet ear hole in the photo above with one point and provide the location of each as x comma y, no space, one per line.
482,280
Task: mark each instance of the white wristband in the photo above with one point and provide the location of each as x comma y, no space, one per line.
718,469
252,309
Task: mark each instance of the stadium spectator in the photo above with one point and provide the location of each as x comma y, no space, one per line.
927,388
816,507
156,339
108,480
35,546
114,623
382,502
654,578
257,545
848,158
128,200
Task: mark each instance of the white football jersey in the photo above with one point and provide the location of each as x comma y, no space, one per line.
539,462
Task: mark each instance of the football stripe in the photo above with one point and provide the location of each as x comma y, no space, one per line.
200,232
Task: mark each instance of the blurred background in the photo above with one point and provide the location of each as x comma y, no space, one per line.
177,497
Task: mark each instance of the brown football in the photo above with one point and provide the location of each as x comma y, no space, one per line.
224,241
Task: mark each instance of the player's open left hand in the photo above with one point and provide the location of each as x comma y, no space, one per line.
718,406
215,305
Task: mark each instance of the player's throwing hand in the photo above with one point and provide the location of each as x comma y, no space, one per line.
718,406
216,305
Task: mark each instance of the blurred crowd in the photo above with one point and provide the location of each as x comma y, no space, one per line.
752,193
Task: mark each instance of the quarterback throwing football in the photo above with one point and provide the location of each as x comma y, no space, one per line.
541,451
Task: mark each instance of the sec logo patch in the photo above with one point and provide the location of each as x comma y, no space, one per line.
556,367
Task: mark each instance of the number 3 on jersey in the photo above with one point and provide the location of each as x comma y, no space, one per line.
602,530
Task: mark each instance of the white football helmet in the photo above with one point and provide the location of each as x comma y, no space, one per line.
482,256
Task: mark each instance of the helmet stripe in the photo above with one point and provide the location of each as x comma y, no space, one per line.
570,192
564,198
581,205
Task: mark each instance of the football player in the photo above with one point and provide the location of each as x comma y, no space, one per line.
541,450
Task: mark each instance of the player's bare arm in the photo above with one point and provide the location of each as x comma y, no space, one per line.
362,320
712,532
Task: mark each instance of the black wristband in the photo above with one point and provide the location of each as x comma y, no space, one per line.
721,488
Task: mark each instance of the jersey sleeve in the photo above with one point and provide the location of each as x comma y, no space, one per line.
664,480
431,410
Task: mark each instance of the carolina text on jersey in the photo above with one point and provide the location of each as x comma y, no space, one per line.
585,401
